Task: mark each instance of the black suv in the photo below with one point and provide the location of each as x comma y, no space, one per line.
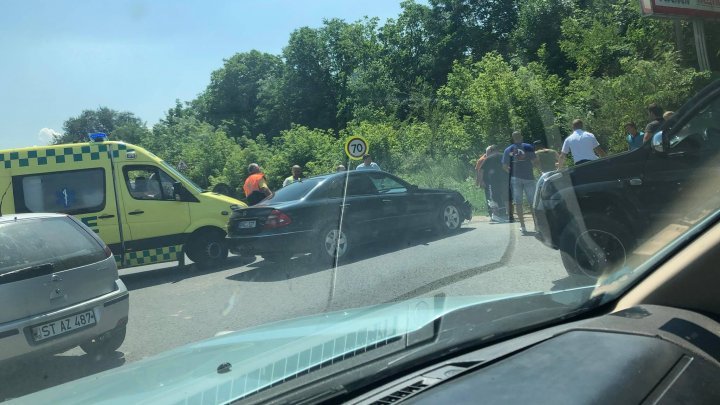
604,213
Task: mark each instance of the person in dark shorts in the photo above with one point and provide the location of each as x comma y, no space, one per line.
518,160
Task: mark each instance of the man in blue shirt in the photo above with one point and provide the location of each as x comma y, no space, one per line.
634,137
519,160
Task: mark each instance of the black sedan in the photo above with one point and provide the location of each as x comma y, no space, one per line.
330,215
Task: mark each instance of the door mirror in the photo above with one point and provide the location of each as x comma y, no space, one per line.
413,188
657,143
180,192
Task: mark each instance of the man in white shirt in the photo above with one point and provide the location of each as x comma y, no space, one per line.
583,146
368,164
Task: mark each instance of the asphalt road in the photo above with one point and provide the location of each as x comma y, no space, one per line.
172,306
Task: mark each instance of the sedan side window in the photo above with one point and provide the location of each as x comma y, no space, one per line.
360,185
332,189
386,184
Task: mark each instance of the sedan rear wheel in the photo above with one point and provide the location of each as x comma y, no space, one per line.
334,245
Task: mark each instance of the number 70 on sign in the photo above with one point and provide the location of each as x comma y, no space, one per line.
356,147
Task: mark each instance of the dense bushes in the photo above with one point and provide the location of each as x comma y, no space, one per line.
429,90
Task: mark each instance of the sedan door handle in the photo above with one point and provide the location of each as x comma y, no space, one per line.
106,216
136,212
386,201
636,182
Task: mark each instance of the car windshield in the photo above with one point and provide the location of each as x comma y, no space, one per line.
181,176
373,165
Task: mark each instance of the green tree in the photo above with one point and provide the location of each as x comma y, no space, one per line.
538,31
469,28
597,39
308,87
123,126
492,100
408,51
316,151
231,100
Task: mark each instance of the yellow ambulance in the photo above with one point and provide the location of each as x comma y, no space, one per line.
144,209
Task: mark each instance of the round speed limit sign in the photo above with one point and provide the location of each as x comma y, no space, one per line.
356,147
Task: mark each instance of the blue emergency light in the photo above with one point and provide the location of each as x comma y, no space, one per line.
98,137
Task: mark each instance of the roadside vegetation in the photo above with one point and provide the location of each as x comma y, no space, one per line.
429,90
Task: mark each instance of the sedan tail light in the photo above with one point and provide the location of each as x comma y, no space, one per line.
277,219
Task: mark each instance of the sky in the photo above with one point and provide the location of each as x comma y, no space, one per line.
60,57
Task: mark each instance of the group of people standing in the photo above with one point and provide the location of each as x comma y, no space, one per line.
256,187
657,117
509,174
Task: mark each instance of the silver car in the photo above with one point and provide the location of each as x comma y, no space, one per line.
59,288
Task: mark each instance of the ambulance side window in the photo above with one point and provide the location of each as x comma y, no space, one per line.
148,183
69,192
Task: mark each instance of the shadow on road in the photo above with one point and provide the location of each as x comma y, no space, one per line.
175,274
22,377
264,271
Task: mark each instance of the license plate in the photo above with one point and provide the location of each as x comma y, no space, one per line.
65,325
246,224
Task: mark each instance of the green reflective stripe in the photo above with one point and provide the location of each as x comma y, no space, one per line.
155,255
40,157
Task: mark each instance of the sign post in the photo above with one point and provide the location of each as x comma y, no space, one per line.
695,10
700,45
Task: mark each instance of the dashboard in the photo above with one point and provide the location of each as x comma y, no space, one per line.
644,354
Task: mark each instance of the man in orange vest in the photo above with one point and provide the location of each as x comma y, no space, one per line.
255,187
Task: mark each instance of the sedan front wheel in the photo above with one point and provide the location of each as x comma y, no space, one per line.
450,219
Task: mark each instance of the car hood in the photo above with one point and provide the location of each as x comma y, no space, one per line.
263,356
210,195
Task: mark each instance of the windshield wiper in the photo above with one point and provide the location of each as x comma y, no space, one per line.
27,272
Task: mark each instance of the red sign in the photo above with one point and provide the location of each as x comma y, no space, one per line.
681,8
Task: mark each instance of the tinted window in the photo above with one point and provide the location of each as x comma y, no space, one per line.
149,183
360,185
333,188
33,242
702,131
294,191
73,192
386,184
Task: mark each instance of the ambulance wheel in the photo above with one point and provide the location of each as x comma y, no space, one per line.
207,248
